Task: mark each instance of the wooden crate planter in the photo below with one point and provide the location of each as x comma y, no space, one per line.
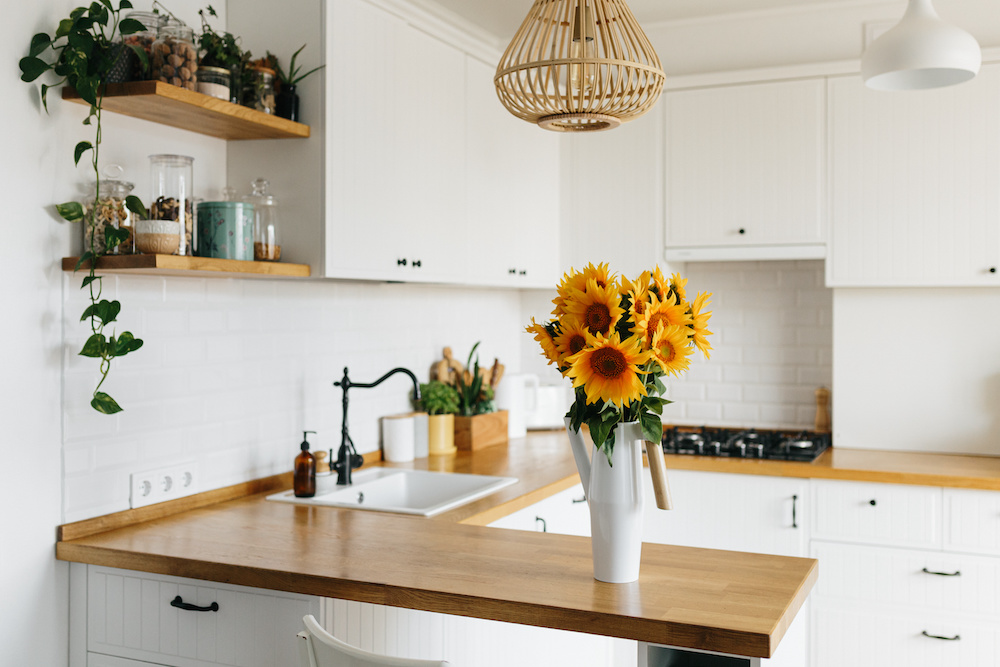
472,433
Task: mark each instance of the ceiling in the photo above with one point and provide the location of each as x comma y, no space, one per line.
503,17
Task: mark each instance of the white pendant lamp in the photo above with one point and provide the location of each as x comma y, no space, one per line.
921,51
579,66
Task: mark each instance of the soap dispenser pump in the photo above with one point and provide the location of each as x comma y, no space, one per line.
304,480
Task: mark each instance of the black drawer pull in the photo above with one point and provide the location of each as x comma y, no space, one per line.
181,604
545,526
400,262
947,639
956,573
872,502
795,504
582,499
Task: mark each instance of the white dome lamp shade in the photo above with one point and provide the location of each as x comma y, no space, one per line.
920,52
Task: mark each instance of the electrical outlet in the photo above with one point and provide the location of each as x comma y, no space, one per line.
162,484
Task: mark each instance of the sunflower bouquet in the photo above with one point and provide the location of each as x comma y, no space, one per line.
616,339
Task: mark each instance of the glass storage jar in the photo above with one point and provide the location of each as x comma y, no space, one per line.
259,91
266,239
171,179
107,209
214,81
143,39
175,58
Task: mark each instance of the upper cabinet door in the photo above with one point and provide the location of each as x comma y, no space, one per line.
395,151
512,195
915,181
745,171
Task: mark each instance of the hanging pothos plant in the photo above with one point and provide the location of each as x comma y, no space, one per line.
83,53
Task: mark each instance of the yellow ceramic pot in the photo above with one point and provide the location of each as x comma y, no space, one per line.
441,434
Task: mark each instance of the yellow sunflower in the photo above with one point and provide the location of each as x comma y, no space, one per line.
666,313
600,273
544,339
571,339
671,349
660,285
678,287
609,369
700,322
576,281
598,308
641,283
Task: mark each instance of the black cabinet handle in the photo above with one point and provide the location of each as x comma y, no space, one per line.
512,271
545,526
872,502
947,639
580,500
993,269
523,272
181,604
742,231
400,262
795,505
956,573
417,263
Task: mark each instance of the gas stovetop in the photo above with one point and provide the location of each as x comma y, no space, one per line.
745,443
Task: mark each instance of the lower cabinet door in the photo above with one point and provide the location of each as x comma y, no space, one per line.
565,513
169,621
865,636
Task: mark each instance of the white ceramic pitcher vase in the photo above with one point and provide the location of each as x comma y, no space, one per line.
615,496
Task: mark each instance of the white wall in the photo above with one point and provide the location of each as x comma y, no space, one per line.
917,370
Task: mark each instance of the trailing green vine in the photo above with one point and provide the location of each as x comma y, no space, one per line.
83,54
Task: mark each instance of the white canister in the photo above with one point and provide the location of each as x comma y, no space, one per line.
398,442
517,394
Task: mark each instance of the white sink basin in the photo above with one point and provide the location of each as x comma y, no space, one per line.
405,491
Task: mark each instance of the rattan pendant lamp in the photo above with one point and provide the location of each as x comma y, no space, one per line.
579,66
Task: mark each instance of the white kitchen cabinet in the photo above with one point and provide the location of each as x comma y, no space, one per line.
972,521
889,514
129,616
565,513
915,184
612,196
745,171
512,191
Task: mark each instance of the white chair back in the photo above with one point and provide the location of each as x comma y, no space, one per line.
318,648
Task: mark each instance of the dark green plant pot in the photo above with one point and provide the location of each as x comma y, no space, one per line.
287,103
124,65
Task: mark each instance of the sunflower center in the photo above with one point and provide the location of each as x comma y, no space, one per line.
668,352
598,318
654,323
577,343
608,362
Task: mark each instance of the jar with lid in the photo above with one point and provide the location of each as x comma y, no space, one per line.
143,39
104,208
171,179
175,58
266,241
259,91
214,81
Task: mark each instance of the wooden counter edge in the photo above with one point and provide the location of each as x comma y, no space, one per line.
794,607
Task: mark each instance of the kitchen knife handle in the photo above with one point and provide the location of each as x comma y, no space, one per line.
181,604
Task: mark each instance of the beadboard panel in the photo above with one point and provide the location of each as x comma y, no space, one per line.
888,514
914,184
747,157
844,634
469,641
877,575
972,521
129,615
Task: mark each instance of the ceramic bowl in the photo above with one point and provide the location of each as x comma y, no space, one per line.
157,237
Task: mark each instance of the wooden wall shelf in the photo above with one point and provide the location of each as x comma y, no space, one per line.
185,109
205,267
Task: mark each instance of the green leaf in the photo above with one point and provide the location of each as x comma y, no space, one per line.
45,100
71,210
134,204
86,281
600,431
88,255
126,343
107,311
89,311
39,43
32,68
108,4
129,26
94,347
652,427
114,236
141,55
66,25
104,404
125,4
80,149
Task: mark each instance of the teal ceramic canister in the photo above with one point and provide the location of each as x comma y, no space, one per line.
225,229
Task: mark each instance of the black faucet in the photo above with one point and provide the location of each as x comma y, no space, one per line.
348,458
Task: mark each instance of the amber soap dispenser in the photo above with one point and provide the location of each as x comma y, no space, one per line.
304,480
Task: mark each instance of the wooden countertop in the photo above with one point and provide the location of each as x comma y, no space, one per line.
693,598
948,470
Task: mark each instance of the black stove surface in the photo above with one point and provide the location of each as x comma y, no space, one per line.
745,443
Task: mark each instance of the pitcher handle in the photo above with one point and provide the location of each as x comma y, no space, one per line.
580,456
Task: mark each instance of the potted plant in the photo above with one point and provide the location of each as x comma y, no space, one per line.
478,424
223,53
84,54
440,402
288,99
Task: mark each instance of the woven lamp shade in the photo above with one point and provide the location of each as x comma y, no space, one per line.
578,66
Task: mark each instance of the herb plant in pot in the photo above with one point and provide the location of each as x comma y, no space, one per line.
479,424
440,401
287,102
221,61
